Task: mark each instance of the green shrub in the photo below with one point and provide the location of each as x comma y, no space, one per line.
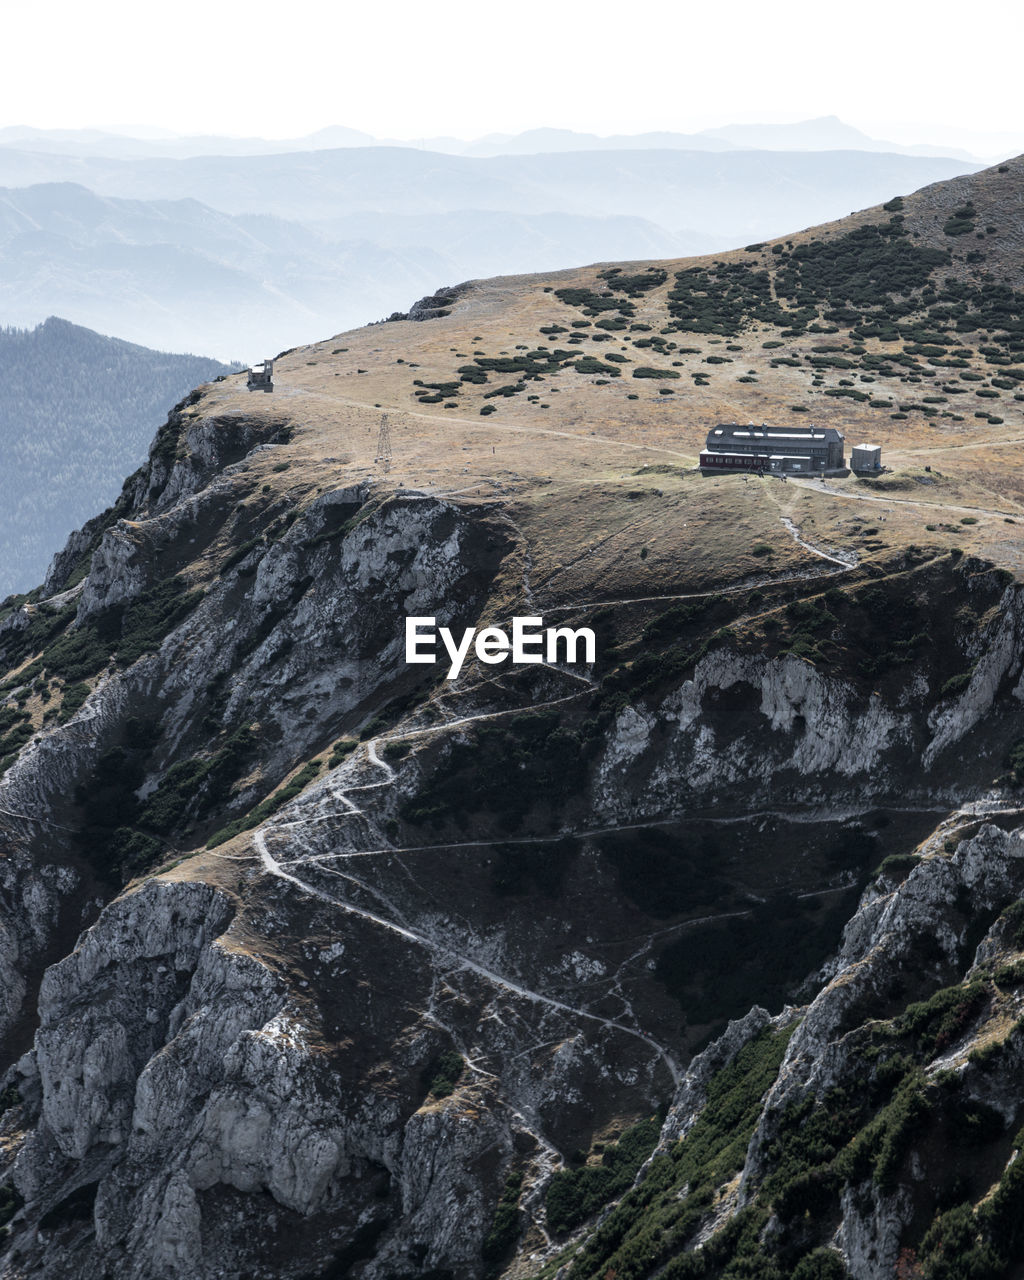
575,1194
956,684
376,724
343,748
239,554
821,1264
936,1023
505,1227
961,221
651,1226
177,789
150,618
442,1076
15,729
588,364
1012,921
196,785
881,1147
595,303
983,1243
120,834
267,807
973,1124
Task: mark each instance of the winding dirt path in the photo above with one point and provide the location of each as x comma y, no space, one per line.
277,869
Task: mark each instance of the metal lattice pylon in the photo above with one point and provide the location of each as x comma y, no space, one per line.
384,444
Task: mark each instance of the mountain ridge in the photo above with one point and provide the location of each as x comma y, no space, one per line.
74,418
395,975
810,133
278,249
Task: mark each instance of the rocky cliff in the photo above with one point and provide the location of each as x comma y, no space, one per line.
699,959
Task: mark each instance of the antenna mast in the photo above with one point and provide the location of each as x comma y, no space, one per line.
384,444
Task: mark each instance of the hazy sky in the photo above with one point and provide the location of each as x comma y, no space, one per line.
897,68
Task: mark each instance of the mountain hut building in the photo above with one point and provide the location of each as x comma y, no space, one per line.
803,450
261,376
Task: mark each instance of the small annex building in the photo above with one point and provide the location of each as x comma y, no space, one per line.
865,459
261,377
731,447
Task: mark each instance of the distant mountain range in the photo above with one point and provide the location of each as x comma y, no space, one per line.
726,194
179,274
77,413
244,255
827,133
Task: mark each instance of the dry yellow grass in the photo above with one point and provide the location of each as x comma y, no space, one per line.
565,471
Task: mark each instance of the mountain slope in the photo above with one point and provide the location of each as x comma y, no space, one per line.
391,975
74,417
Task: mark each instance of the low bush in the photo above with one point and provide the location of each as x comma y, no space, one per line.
897,866
956,684
588,364
150,618
505,1227
343,748
647,1232
934,1024
443,1074
575,1194
269,806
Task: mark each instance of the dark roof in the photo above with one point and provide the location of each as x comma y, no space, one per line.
752,431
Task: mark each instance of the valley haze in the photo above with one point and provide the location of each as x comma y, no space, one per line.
243,253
